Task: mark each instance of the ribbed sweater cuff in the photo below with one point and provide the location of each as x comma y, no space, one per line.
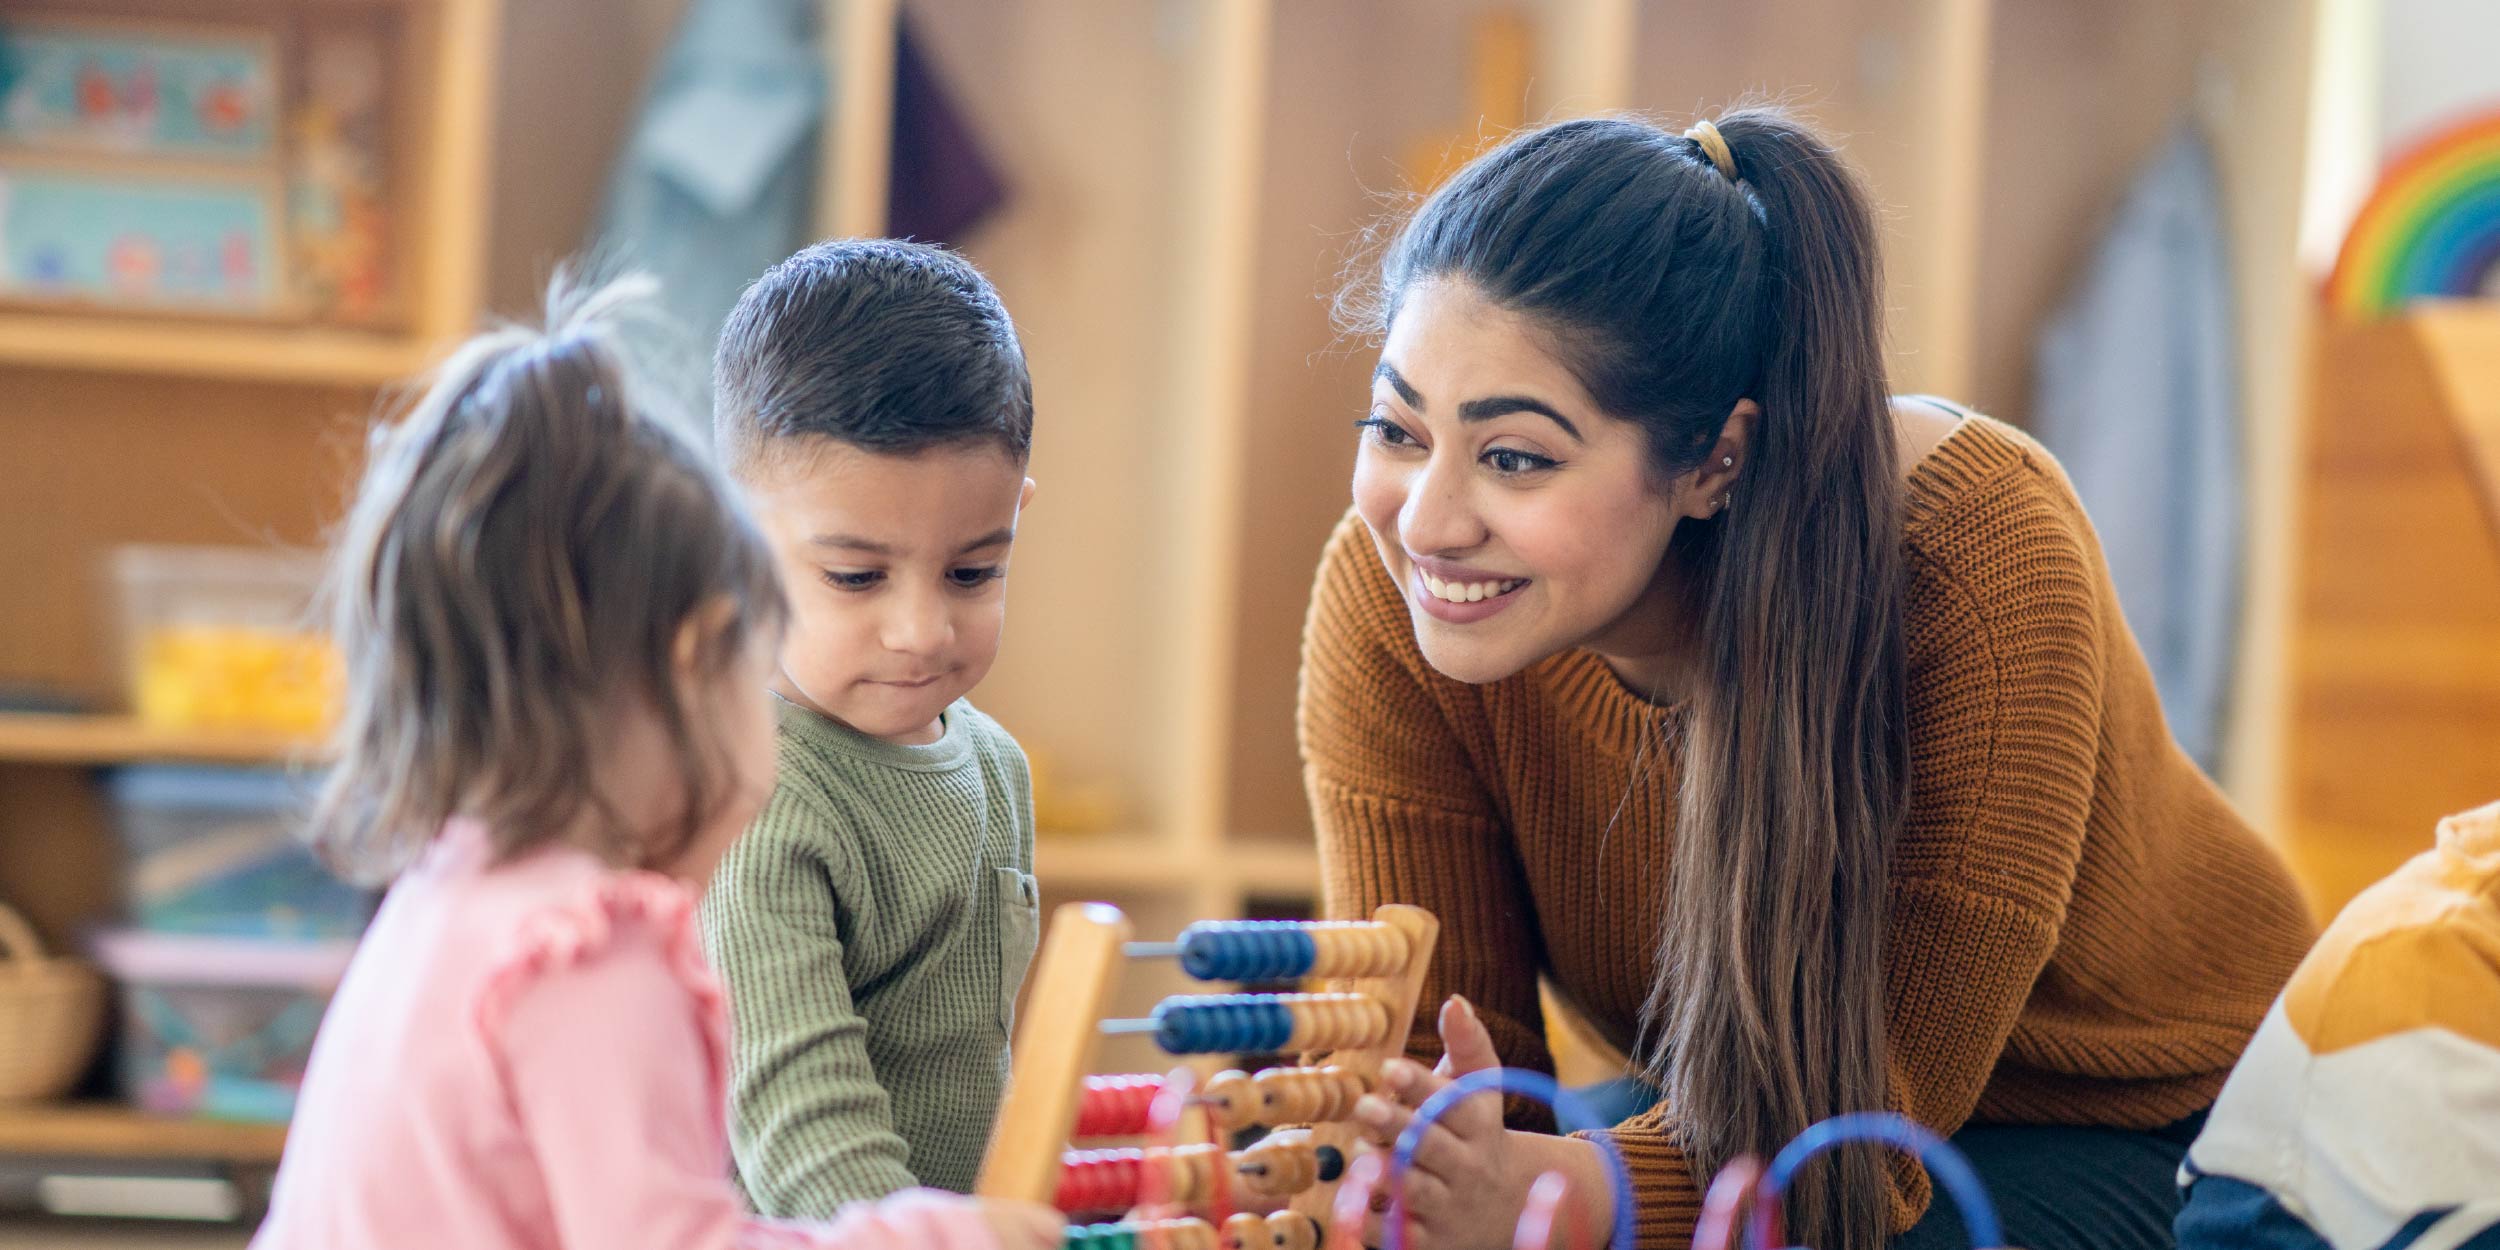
1666,1203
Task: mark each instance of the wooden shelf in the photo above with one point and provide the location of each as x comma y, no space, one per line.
1125,861
27,738
106,1131
210,350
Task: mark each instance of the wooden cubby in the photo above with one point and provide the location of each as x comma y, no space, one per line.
2393,709
125,429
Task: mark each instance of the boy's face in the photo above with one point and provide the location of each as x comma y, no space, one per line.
896,568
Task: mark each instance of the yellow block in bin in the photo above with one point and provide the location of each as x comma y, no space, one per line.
237,677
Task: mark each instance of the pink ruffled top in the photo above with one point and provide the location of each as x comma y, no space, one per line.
530,1056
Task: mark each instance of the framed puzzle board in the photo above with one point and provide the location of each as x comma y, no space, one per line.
232,168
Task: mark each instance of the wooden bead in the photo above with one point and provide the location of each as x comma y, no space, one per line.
1307,1095
1292,1230
1185,1234
1234,1101
1245,1231
1357,948
1277,1169
1336,1022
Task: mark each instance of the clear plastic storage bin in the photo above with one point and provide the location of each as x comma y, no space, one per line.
215,851
224,638
218,1028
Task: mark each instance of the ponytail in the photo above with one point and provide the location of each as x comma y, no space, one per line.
523,552
1769,1002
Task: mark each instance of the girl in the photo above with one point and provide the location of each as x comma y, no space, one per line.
559,634
1791,732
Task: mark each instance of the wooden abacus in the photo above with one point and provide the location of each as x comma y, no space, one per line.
1372,973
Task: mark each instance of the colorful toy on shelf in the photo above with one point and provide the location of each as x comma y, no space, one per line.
204,244
1167,1194
336,211
2430,229
236,167
236,677
178,90
220,638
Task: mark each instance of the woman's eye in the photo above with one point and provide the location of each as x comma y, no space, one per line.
1388,432
1510,460
852,581
969,578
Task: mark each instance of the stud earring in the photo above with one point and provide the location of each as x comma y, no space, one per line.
1727,462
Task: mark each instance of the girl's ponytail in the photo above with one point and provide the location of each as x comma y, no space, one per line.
523,552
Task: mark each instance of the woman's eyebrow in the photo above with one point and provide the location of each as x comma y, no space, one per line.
1382,372
1504,405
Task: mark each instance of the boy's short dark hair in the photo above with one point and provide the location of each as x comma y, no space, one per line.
890,346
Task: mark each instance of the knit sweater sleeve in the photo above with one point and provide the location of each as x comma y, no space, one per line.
2009,624
811,1125
1402,815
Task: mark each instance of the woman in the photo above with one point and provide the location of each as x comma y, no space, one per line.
1792,732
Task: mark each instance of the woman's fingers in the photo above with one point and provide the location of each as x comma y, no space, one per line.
1380,1120
1466,1046
1411,1086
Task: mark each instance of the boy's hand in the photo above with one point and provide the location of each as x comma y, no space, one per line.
1023,1225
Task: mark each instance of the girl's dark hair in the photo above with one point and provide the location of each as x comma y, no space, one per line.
1673,290
524,553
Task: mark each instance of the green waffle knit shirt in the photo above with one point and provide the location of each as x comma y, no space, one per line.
871,930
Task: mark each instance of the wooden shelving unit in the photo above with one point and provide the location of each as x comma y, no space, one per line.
126,429
105,1131
103,740
2393,716
243,353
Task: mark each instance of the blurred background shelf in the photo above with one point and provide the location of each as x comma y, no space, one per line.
1255,867
29,738
266,353
105,1131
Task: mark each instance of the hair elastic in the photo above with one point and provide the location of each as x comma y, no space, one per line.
1714,145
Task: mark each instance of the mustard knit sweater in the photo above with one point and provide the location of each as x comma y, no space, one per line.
2080,929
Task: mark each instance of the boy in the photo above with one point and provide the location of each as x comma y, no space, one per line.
2366,1113
873,925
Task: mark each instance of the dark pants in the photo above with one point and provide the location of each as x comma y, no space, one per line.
2054,1188
2067,1188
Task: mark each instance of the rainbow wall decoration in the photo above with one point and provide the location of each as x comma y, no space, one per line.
2431,228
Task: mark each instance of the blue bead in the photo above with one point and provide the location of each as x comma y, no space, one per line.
1248,950
1222,1023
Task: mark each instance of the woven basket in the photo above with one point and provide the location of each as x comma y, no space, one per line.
50,1011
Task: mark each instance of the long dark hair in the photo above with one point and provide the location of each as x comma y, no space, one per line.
524,550
1673,289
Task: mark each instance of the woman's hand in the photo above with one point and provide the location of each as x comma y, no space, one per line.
1471,1176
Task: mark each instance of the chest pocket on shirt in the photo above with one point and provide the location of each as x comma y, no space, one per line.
1019,931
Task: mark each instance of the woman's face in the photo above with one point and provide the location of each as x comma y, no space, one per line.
1518,520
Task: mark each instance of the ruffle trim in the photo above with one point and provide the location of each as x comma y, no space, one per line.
566,934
